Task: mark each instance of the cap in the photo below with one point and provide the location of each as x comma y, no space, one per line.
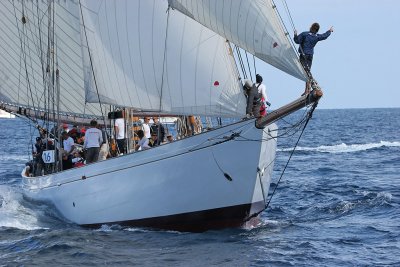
38,139
248,83
259,78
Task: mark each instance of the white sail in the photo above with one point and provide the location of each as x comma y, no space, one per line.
24,53
251,24
139,61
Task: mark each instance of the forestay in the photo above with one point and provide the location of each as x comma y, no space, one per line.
152,60
251,24
24,55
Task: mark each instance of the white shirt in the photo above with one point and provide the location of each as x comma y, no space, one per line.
146,130
120,123
143,143
93,138
263,91
68,144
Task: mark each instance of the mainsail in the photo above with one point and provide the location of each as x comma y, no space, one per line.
146,58
137,54
251,24
25,50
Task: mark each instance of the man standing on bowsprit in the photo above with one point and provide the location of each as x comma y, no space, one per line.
307,41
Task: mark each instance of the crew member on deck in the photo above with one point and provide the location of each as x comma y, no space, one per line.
93,141
154,141
119,127
262,92
256,98
68,143
146,127
158,128
143,143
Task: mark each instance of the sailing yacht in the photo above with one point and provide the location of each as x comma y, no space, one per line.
73,61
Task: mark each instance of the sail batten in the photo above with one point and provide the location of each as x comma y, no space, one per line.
251,24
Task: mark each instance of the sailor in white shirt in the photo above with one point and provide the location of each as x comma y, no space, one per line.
68,143
119,127
146,127
143,142
93,141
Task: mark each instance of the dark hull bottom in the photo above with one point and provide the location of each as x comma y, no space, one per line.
199,221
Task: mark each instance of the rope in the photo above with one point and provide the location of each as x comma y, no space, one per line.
291,154
254,63
248,64
181,127
288,13
287,33
23,50
287,163
162,77
239,55
164,59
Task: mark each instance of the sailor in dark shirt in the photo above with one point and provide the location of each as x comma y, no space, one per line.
153,140
307,41
158,128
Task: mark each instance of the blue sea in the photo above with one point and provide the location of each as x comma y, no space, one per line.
337,204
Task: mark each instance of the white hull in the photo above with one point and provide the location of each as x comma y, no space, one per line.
184,185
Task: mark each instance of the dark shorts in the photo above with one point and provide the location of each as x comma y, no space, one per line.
306,61
92,154
121,145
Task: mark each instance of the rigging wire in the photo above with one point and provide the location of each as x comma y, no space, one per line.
239,55
248,64
23,47
254,63
308,72
162,73
34,41
35,38
288,14
309,115
91,64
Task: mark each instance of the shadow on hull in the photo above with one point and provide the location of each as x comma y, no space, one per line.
199,221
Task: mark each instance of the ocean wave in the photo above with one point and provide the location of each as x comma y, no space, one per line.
13,214
344,148
104,228
11,157
368,200
149,230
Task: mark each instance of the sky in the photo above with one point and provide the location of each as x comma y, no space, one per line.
358,66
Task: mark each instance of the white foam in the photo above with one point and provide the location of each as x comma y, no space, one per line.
13,214
344,148
14,157
104,228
